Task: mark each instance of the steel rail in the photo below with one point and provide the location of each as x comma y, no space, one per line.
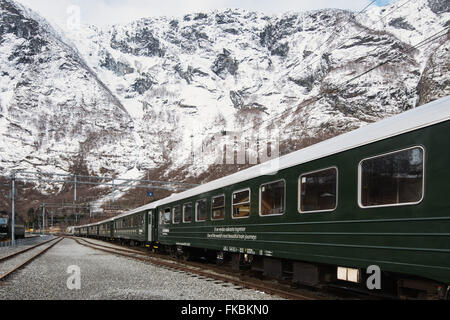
115,248
9,273
2,259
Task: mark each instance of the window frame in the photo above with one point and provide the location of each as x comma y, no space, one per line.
394,204
161,217
284,201
182,213
196,208
299,196
173,214
170,218
224,206
249,202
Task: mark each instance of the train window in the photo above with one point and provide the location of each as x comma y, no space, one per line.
187,212
176,214
272,198
200,210
318,191
218,208
161,216
166,216
395,178
241,204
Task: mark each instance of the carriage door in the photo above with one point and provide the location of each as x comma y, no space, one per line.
150,228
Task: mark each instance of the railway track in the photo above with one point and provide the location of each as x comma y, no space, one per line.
22,263
326,292
202,272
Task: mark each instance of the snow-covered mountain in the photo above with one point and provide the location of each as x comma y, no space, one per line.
140,96
54,108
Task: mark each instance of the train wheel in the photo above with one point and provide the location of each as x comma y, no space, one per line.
186,256
220,259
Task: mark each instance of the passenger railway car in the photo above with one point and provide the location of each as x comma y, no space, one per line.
131,226
106,230
83,231
377,196
92,231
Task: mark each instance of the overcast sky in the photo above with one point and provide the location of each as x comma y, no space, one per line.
102,12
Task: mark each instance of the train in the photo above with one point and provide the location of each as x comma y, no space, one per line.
375,198
5,227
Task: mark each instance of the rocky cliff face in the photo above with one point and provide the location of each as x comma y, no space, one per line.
144,95
53,106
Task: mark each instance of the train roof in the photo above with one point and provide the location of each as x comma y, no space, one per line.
429,114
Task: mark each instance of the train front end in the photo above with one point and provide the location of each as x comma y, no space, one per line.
4,228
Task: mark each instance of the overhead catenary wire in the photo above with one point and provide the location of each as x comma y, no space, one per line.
427,40
340,46
102,178
117,186
381,19
310,64
378,46
342,43
317,98
340,29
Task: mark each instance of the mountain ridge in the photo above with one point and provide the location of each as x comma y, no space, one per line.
129,98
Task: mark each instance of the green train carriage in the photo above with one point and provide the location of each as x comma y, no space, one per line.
374,196
83,231
92,230
136,226
106,230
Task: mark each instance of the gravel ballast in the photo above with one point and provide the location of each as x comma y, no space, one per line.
108,277
23,244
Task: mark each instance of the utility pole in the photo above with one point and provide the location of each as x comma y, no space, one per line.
43,221
113,191
13,214
75,188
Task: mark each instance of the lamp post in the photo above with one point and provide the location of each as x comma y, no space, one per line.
43,219
13,184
